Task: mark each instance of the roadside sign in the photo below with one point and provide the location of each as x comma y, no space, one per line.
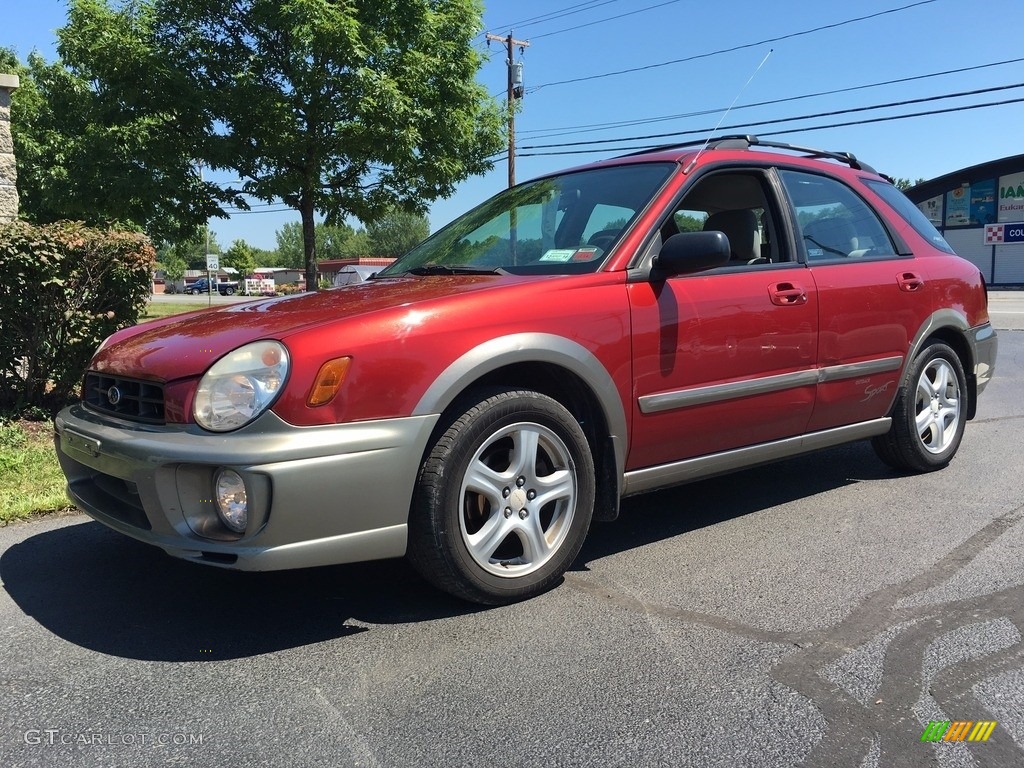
998,234
212,262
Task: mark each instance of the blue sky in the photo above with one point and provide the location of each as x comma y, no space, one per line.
930,37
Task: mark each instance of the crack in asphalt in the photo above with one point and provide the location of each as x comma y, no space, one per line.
887,730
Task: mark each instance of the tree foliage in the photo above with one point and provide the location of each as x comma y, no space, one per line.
904,184
241,256
332,242
191,250
337,108
396,232
88,144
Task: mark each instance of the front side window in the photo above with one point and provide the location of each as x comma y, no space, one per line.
557,225
833,221
735,203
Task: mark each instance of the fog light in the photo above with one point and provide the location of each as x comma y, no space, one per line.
232,504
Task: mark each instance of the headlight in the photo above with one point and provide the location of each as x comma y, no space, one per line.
240,386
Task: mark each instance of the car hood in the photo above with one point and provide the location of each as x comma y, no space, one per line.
184,346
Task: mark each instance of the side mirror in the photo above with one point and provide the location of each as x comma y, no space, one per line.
690,252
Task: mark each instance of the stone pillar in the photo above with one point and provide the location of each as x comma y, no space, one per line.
8,171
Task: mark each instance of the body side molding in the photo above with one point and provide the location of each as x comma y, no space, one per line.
683,398
688,470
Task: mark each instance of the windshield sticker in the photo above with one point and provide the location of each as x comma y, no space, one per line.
565,255
585,254
559,255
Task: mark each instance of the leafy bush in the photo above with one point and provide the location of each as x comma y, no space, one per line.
65,287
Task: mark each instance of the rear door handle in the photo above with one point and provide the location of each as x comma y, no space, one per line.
787,294
909,281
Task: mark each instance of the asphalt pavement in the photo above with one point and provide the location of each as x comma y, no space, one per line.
817,612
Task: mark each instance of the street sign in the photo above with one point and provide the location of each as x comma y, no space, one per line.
212,262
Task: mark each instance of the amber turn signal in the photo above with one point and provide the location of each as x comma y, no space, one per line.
328,381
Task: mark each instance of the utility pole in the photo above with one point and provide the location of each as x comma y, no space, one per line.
515,91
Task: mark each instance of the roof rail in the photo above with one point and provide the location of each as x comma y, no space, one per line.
747,141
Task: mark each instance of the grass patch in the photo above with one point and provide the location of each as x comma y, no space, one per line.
154,310
31,482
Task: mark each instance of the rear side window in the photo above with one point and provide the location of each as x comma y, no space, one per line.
909,213
835,223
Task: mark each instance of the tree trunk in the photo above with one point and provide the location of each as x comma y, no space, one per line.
309,241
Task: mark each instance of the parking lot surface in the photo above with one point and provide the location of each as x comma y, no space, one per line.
819,612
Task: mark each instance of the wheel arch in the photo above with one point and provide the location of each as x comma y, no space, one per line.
564,371
951,328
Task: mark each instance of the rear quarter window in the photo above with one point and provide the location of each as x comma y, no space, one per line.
910,213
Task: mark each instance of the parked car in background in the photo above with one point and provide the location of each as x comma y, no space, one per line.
633,324
354,273
203,285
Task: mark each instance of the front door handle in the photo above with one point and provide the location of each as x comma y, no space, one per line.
909,281
787,294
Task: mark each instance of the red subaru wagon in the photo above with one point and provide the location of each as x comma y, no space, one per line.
593,334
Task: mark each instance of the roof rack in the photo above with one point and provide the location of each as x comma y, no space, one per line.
748,141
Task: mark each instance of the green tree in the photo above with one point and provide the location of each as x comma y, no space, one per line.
290,250
904,184
396,232
331,240
240,256
191,250
173,265
356,246
331,243
87,148
338,108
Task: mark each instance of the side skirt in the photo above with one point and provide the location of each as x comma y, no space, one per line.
688,470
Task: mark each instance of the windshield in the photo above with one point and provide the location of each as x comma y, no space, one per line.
557,225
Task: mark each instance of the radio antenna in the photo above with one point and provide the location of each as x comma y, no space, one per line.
726,113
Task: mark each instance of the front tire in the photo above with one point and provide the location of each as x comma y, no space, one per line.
504,499
930,414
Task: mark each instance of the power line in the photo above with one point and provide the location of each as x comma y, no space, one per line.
887,105
593,127
552,15
602,21
735,48
803,129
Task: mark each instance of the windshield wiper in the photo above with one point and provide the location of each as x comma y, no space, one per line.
454,269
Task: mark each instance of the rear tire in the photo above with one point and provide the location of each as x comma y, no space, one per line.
930,414
504,499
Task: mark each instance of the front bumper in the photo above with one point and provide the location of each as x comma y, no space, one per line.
317,495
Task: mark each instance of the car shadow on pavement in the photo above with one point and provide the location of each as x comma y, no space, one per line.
675,511
108,593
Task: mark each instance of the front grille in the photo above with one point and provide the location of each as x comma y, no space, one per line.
128,398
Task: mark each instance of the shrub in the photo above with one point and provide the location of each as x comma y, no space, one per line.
65,288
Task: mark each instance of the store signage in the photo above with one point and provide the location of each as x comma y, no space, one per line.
998,234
